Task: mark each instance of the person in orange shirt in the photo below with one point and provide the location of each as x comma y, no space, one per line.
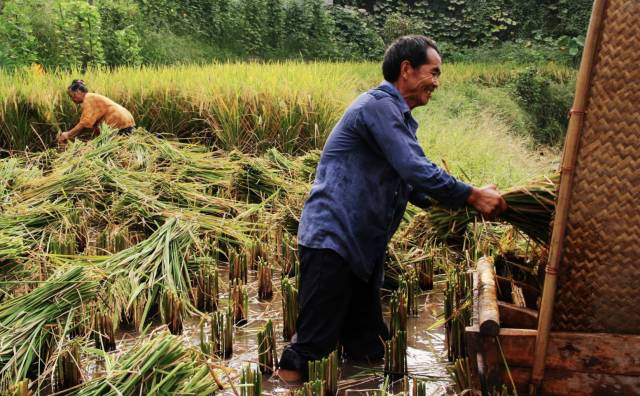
96,109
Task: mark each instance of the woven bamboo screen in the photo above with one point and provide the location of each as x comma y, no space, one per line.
599,272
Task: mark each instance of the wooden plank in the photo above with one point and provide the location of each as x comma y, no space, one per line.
614,354
565,383
512,316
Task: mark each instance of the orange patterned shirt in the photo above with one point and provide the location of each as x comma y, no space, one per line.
97,109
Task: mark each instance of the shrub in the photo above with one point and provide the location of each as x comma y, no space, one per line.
547,105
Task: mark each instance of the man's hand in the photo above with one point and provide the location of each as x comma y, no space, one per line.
487,200
63,137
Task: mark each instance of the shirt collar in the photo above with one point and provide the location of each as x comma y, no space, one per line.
391,89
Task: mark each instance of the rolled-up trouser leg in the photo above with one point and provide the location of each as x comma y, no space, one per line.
324,296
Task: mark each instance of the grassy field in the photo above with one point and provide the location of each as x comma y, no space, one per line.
472,122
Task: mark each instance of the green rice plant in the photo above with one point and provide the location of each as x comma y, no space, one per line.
172,312
160,364
395,355
239,300
398,305
104,328
31,323
207,289
218,341
254,182
68,371
250,381
237,267
325,370
267,355
410,286
311,388
12,247
461,374
265,280
289,308
153,273
458,303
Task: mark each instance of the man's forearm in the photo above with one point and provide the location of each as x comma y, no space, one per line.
73,132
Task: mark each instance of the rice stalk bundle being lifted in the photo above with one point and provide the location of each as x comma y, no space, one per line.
531,209
31,323
159,365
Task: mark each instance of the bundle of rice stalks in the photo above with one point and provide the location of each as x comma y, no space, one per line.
12,248
155,272
254,182
237,267
289,308
104,328
458,301
31,323
265,281
398,305
395,355
205,293
250,381
325,370
267,348
220,340
410,287
159,365
310,388
239,300
531,209
68,373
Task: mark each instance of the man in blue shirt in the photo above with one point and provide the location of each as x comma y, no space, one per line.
371,166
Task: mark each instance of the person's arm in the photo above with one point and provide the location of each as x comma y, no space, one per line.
386,126
393,137
420,199
90,115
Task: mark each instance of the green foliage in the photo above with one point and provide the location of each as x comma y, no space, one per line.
120,37
355,35
547,105
398,24
18,43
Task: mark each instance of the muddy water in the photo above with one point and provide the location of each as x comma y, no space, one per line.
426,355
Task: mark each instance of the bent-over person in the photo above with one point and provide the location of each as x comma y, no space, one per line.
96,110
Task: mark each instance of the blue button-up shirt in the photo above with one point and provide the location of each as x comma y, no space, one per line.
371,166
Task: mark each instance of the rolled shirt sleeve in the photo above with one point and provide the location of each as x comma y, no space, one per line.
386,124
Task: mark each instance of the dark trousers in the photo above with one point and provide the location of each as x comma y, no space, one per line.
335,307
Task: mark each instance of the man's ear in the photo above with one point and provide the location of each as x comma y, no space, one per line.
405,69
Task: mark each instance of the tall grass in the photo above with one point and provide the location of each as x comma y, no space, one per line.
249,106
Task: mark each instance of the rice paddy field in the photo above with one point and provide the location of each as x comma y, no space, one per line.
165,262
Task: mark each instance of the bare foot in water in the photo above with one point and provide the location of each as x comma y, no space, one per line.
289,375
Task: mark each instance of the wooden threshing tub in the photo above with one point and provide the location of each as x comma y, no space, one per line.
587,338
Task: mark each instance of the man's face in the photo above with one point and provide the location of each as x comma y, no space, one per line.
422,81
76,96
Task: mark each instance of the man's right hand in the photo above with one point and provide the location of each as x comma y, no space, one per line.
487,200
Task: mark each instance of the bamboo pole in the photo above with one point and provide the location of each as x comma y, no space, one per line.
488,312
564,195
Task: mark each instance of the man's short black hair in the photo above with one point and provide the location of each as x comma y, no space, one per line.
406,48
